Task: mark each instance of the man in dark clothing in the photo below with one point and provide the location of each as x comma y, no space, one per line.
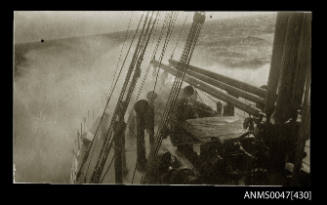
149,120
144,121
184,110
184,106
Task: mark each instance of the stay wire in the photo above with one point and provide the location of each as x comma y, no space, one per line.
101,119
121,52
134,36
161,57
148,35
174,92
167,39
134,59
179,37
159,65
163,50
108,168
160,61
148,68
164,114
107,148
166,19
153,57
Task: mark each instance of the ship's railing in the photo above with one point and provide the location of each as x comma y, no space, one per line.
78,144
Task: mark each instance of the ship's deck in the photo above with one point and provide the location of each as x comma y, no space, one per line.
202,128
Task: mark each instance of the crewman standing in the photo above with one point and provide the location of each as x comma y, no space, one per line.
144,110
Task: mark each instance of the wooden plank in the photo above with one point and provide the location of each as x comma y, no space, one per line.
213,91
230,89
230,81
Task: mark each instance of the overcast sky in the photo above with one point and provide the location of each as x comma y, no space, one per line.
37,25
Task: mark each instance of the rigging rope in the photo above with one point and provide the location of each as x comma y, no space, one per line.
169,30
179,37
142,54
120,55
108,100
191,40
172,19
167,39
120,110
104,148
149,66
108,168
178,82
141,58
186,56
160,37
197,32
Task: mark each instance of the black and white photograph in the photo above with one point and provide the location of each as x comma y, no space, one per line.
169,98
